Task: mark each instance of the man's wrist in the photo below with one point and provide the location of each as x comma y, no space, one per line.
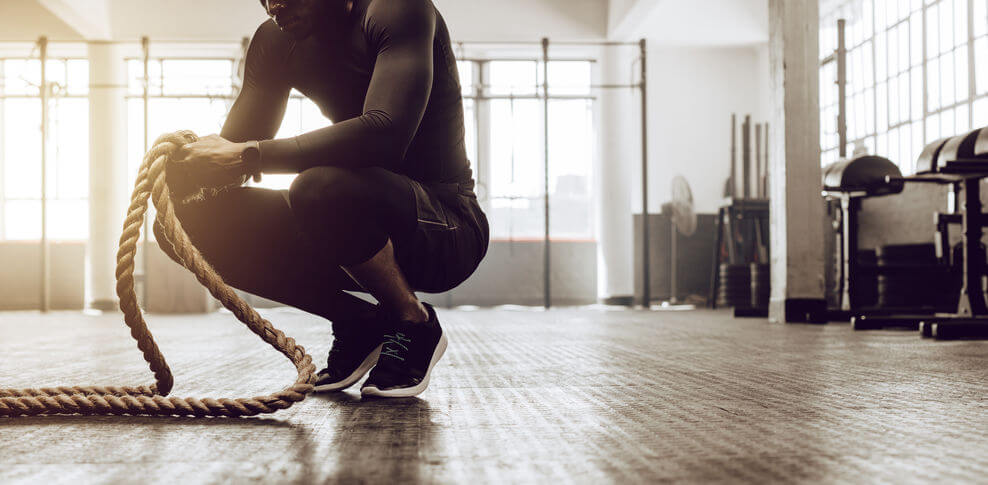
250,155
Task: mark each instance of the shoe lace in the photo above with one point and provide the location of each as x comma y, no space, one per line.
393,345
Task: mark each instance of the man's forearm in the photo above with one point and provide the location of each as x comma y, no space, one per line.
366,141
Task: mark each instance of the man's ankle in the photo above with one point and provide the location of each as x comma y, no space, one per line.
413,312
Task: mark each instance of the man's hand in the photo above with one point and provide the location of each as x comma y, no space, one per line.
213,162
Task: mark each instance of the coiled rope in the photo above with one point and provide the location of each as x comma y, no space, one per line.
152,400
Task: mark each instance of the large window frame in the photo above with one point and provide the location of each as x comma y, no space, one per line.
896,104
68,80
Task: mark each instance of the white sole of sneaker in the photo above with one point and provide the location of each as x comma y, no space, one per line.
369,362
414,390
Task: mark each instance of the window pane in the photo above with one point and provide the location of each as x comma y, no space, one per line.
903,97
981,112
22,148
916,39
932,128
903,48
981,64
882,107
78,76
513,77
22,220
465,69
960,21
946,26
961,121
881,57
571,167
516,168
980,17
961,74
932,31
68,219
197,76
869,110
893,106
933,84
947,123
947,80
569,77
69,123
21,76
917,93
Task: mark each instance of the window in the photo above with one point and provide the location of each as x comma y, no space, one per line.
514,182
930,73
67,149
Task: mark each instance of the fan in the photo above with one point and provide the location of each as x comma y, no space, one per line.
679,210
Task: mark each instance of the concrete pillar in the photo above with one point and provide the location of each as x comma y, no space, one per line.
797,209
108,191
618,156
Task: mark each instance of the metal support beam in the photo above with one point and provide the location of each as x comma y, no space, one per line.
146,81
646,283
545,122
842,88
45,282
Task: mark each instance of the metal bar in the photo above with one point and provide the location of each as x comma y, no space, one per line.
545,122
646,288
746,158
525,59
45,304
758,162
145,259
732,180
841,88
535,43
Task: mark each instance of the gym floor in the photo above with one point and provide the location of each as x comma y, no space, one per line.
576,395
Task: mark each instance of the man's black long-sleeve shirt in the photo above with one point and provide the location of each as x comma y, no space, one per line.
385,74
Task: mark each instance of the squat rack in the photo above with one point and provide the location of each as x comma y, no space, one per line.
144,43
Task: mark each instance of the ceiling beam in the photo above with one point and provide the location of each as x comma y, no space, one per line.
626,23
91,18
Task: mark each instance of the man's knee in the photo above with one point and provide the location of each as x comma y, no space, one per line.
328,191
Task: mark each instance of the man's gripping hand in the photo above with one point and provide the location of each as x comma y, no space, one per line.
206,167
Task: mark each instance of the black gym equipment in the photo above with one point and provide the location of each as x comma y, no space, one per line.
962,162
867,278
742,233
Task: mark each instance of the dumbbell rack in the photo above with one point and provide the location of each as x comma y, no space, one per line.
971,319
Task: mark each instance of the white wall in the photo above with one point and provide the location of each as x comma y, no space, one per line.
707,59
692,93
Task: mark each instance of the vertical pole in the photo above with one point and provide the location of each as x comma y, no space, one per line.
746,158
146,58
45,290
841,88
758,161
765,174
733,192
545,124
646,287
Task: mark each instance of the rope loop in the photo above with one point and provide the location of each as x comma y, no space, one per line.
152,400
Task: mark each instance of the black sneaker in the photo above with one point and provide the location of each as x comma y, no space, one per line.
356,346
409,353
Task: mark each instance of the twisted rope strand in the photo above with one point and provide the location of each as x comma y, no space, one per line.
152,400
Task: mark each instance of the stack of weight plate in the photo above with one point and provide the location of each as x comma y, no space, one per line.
761,279
734,289
910,276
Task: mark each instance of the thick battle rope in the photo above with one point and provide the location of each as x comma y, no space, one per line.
152,400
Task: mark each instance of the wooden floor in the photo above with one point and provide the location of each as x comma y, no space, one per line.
574,395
